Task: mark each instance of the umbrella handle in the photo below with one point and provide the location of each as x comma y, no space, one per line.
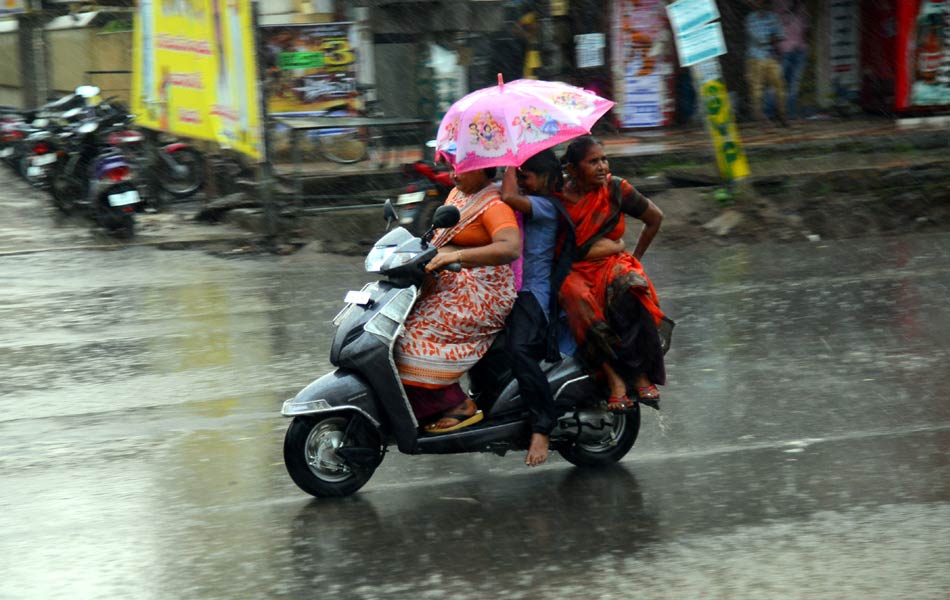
501,83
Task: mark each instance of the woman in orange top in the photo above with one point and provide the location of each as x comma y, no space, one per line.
612,308
456,319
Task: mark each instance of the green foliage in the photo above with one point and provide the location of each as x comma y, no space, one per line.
117,25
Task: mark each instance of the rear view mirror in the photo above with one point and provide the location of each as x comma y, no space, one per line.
389,213
40,123
88,127
445,216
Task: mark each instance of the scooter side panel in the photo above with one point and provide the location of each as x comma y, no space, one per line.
335,391
372,333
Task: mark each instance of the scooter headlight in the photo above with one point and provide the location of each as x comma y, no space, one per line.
292,408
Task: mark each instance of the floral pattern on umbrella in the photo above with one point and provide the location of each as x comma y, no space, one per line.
504,125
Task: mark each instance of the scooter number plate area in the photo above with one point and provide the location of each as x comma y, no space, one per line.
6,153
361,298
410,198
44,159
129,197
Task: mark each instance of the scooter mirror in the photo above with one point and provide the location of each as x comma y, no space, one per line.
88,127
71,113
87,91
445,216
40,123
389,213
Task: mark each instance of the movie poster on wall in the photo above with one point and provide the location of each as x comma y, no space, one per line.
923,78
642,63
310,69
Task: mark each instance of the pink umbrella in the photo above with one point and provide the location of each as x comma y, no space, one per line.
505,125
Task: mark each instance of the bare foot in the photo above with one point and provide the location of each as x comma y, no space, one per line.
538,450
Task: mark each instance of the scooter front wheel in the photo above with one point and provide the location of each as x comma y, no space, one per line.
316,457
618,437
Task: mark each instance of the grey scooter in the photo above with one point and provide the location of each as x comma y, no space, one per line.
344,421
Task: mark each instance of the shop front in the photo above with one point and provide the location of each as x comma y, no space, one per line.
906,56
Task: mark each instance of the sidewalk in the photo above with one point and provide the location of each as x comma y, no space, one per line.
819,179
640,153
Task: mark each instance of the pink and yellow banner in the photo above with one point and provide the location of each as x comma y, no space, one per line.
195,72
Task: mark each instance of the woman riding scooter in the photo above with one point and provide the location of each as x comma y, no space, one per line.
452,326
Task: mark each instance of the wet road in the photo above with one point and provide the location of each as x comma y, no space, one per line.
802,450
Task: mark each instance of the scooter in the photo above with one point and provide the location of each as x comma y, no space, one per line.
344,421
96,177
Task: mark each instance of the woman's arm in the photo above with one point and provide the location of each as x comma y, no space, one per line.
652,217
504,248
511,194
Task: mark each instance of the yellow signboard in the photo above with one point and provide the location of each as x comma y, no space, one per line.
195,71
722,127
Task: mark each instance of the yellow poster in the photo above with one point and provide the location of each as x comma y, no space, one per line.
195,71
722,127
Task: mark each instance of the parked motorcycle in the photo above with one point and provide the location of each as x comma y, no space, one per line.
428,187
38,154
94,176
344,421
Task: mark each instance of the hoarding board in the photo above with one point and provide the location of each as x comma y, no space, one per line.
195,72
923,39
310,69
642,63
686,15
700,44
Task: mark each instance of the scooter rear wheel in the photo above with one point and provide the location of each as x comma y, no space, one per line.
615,444
311,458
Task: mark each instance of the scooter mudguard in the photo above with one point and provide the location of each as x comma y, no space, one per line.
334,392
174,147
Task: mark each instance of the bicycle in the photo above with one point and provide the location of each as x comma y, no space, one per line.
348,145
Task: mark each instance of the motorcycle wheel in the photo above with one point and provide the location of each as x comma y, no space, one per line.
185,185
615,444
124,228
65,190
310,454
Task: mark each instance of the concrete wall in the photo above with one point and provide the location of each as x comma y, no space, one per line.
10,79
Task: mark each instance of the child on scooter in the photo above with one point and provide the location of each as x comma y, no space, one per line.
530,336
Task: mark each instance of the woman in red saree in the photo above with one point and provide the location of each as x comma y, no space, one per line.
455,321
612,308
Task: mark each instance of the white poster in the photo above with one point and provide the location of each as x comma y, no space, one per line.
844,55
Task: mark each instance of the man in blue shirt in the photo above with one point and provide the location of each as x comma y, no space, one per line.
763,32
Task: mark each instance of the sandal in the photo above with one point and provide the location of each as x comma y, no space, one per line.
463,421
619,403
648,392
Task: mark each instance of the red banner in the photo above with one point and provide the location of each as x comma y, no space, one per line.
923,54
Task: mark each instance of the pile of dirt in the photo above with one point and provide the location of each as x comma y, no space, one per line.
827,206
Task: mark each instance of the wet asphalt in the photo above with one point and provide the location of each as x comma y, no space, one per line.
802,450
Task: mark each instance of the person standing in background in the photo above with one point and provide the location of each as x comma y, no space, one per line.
763,33
794,49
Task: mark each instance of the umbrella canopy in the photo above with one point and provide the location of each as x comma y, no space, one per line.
505,125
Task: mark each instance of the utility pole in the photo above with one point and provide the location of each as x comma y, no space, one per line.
31,40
